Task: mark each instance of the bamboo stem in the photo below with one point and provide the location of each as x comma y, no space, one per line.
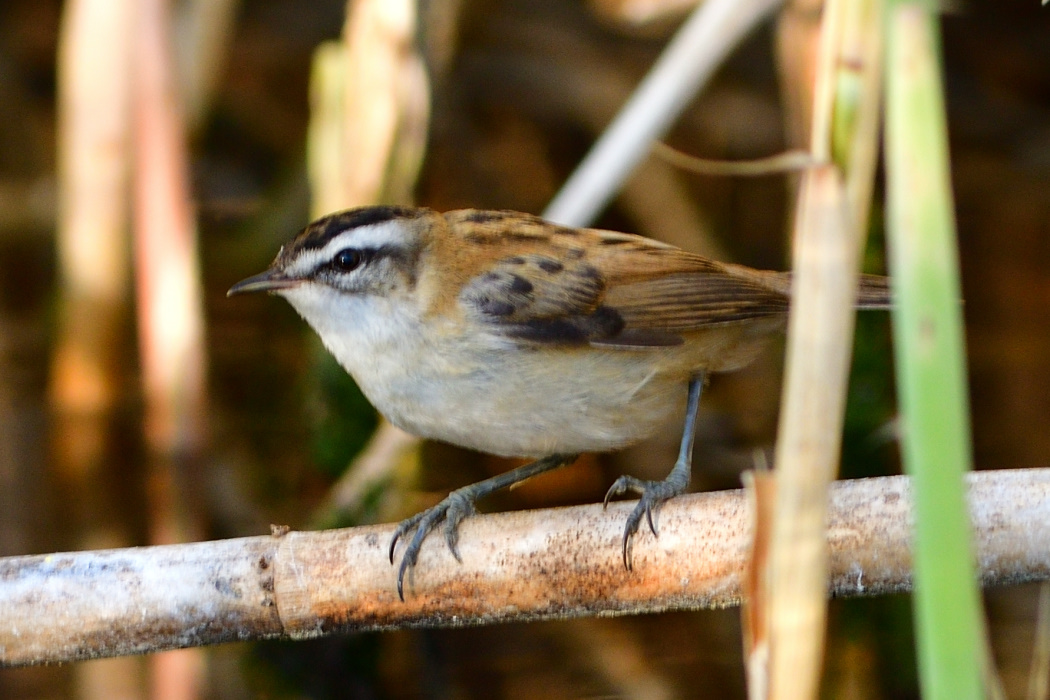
520,566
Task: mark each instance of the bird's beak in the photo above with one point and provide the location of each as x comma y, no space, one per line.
270,281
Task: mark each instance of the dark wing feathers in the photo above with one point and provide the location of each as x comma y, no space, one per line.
527,287
539,298
575,286
556,299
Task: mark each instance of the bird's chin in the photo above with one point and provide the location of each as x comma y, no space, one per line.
307,302
326,311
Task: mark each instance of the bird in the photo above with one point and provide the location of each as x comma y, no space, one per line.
506,333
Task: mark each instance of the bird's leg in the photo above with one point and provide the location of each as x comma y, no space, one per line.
458,505
656,492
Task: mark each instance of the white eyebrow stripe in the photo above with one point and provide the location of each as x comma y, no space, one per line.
386,234
306,261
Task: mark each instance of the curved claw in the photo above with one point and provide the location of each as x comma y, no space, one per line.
620,486
649,516
452,510
401,579
634,520
653,493
460,506
452,536
629,530
456,507
402,528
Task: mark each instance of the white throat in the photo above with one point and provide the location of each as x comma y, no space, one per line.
366,333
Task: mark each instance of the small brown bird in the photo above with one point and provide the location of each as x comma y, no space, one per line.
502,332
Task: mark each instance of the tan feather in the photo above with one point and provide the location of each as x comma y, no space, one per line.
561,285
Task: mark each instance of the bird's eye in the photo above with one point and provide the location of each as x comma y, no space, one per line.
347,260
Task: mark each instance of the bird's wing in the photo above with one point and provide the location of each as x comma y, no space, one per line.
614,290
689,301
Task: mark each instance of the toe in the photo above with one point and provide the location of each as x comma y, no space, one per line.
649,515
403,529
422,524
622,485
452,538
654,493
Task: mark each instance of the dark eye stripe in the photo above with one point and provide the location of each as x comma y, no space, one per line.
349,259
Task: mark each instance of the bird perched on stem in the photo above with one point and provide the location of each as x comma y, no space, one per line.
505,333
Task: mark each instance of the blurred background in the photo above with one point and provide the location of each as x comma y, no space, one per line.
139,405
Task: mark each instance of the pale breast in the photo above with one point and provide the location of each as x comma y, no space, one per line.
484,393
530,404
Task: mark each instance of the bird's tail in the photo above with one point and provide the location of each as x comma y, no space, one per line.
873,292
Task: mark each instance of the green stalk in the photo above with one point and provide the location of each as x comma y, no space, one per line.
930,355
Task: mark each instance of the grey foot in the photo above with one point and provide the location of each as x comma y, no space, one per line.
653,494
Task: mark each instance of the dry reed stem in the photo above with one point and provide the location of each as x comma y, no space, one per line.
94,85
170,318
203,34
820,329
93,248
830,227
700,45
386,102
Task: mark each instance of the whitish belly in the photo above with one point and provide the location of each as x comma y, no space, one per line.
530,404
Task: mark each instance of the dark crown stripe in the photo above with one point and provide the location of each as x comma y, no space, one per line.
321,231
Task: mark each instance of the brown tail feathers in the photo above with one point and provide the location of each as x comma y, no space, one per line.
873,292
